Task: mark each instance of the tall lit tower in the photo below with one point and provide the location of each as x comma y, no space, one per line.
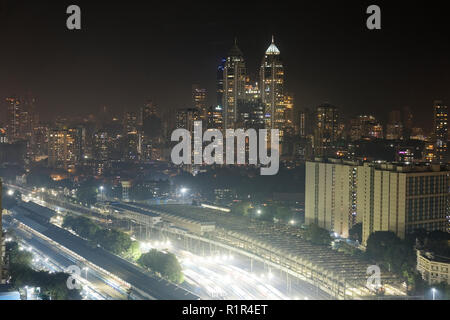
440,130
326,130
13,118
234,74
199,100
271,82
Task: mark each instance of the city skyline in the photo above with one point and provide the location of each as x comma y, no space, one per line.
224,151
112,61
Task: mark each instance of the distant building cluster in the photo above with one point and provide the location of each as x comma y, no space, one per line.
101,141
323,132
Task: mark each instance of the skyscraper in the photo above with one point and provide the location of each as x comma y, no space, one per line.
64,148
440,130
215,117
402,199
219,84
382,196
271,82
185,118
330,198
365,126
289,122
13,116
131,136
234,76
326,130
199,101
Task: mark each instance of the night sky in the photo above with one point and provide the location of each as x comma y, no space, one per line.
130,51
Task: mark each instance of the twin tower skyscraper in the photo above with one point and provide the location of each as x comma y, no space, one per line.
234,89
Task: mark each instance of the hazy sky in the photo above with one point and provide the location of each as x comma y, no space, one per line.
131,51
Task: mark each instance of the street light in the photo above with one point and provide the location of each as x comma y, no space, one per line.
433,290
86,271
10,192
183,193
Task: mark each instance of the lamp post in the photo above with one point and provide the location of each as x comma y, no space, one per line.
86,271
433,290
101,190
183,193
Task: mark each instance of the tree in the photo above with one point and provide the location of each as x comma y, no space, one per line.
163,263
355,232
52,285
87,192
111,240
242,208
317,235
396,255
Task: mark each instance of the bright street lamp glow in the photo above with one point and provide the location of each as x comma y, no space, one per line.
183,190
10,192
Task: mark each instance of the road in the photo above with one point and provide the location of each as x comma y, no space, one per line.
143,282
98,285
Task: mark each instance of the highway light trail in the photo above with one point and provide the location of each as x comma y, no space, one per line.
222,277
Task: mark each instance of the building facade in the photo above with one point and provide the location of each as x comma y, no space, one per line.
382,196
330,195
434,270
440,131
402,199
326,130
271,82
234,76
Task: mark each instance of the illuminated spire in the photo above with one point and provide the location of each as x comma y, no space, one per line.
273,48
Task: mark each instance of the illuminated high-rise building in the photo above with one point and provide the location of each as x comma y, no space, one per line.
185,118
365,126
64,148
440,130
289,122
234,77
215,117
271,85
101,145
131,136
199,101
251,108
219,84
13,117
326,130
382,196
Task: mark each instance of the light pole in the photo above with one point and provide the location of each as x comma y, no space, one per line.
183,193
86,271
101,190
433,290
